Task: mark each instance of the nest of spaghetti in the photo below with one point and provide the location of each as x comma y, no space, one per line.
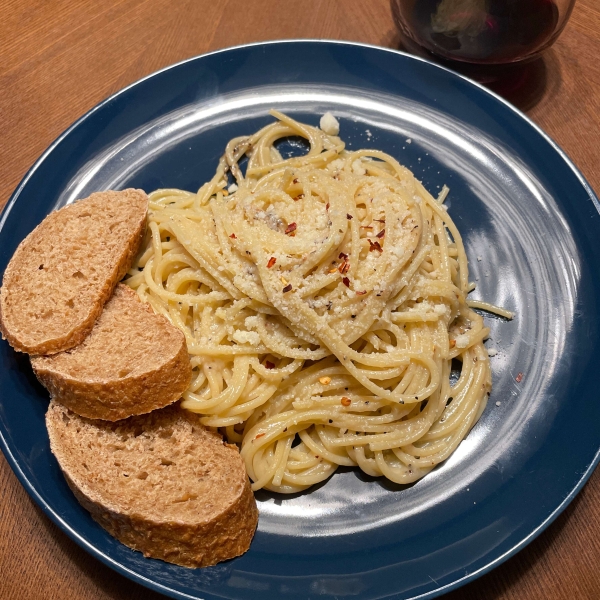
323,298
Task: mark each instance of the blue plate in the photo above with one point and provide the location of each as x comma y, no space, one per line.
531,225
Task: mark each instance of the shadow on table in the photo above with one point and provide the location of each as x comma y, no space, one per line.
515,577
523,85
113,584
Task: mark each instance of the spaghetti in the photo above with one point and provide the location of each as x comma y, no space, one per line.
323,300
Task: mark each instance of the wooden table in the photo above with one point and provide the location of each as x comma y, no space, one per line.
58,58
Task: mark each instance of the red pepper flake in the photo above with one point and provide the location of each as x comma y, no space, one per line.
295,180
346,282
345,401
327,206
259,436
290,228
519,378
361,293
287,288
349,217
342,255
379,220
298,197
375,246
233,236
269,364
344,266
381,234
271,262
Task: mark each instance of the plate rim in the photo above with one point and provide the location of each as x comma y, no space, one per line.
154,585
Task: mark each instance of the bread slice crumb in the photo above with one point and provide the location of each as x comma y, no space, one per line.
160,483
64,271
133,361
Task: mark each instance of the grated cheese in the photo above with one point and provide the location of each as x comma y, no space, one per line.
439,309
336,164
251,322
462,341
358,168
329,124
246,337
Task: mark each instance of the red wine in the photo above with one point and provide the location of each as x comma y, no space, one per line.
479,31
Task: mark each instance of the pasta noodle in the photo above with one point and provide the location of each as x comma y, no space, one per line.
323,300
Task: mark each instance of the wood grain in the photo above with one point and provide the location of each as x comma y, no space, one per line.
58,58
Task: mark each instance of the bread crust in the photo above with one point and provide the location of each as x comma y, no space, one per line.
214,534
20,328
200,545
113,397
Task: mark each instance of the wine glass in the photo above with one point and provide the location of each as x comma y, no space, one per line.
477,37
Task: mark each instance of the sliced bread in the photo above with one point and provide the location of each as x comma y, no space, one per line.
63,272
160,483
133,361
